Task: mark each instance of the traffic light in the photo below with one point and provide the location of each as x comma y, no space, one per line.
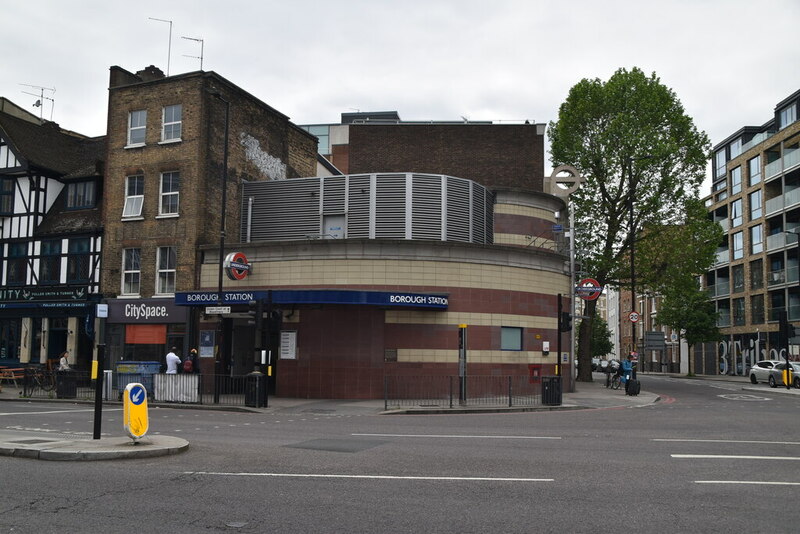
256,312
565,322
787,330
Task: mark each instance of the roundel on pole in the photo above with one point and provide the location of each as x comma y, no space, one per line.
589,289
236,266
565,180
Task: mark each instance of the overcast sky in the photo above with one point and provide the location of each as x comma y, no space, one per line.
729,61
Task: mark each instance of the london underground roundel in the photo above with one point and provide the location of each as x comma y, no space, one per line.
236,266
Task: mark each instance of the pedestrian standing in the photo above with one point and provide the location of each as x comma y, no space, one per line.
173,361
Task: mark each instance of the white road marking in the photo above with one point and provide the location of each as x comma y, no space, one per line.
58,411
370,477
727,441
752,482
453,436
733,457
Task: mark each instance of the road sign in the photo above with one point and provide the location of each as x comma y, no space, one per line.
134,410
588,289
633,316
217,310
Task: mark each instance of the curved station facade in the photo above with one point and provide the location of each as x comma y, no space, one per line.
373,275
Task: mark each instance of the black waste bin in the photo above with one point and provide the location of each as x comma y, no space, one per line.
255,390
66,385
551,391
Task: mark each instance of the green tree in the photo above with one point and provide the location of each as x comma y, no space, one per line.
689,311
600,337
643,160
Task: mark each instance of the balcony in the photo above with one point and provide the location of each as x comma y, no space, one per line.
724,318
777,277
725,224
723,256
791,158
720,289
774,205
758,138
780,240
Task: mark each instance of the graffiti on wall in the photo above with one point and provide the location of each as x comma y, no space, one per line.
269,165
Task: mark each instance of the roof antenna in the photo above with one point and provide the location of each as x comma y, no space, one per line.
38,103
201,49
169,47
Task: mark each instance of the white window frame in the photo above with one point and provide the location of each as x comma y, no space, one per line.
170,125
133,202
131,271
165,274
137,121
167,196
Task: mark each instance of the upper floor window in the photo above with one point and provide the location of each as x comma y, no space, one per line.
137,127
754,168
757,274
131,271
50,262
787,116
6,196
754,200
719,163
736,148
170,193
756,239
736,180
80,195
78,260
167,263
736,212
134,196
738,246
172,123
17,264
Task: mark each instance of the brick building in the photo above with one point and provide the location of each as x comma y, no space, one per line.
756,199
165,153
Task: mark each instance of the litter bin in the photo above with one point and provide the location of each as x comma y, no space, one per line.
66,385
255,390
551,391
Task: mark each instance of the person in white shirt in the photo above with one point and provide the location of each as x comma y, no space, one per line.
173,361
63,363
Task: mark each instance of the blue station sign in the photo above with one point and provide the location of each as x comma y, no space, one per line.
316,296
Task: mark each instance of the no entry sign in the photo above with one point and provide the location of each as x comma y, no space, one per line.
588,289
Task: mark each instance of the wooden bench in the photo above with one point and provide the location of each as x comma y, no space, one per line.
9,374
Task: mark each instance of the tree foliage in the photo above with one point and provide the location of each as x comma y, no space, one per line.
643,160
600,337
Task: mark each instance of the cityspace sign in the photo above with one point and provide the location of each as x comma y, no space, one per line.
145,311
236,266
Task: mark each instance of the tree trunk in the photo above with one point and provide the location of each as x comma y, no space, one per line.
585,342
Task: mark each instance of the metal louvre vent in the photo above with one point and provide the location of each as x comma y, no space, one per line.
390,206
333,194
358,207
426,202
478,214
286,209
458,220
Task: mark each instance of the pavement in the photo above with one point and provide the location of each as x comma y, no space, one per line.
43,446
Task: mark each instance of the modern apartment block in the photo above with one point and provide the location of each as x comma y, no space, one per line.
756,198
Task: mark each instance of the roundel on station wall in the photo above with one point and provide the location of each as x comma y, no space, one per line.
236,266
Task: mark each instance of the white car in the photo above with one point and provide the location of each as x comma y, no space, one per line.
760,371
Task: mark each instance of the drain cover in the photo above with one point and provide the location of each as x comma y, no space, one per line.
33,441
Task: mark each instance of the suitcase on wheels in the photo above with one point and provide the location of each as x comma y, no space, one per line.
634,386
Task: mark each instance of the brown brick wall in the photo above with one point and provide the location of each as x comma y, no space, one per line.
492,155
260,141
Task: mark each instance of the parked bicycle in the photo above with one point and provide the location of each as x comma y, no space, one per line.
39,378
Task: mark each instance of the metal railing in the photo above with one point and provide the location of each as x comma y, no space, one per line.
186,388
450,391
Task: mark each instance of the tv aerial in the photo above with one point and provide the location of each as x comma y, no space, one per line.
40,102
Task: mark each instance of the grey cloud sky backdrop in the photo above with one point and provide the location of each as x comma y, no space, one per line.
729,61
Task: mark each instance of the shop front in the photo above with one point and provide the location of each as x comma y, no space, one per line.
144,330
38,324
